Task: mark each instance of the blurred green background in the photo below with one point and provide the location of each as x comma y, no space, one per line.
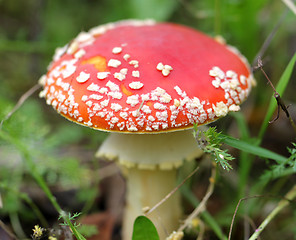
64,152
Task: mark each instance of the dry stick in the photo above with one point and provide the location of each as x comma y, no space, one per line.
171,193
280,102
282,204
259,64
268,40
108,171
290,5
138,110
252,224
195,13
201,231
202,204
6,229
235,212
20,102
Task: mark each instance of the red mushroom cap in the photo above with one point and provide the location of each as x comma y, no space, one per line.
141,76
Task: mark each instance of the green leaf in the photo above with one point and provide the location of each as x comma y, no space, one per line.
144,229
280,88
253,149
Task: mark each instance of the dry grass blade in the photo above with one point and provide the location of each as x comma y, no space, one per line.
280,102
171,193
108,171
291,195
268,40
20,102
7,230
235,212
291,5
282,204
202,204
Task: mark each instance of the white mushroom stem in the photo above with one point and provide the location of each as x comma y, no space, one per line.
145,188
149,163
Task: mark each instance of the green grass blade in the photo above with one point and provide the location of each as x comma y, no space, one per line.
253,149
245,159
242,124
280,88
34,172
270,175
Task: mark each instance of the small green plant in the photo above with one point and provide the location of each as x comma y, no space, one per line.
284,168
72,217
210,141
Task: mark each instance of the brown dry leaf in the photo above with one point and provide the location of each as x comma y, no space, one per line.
103,221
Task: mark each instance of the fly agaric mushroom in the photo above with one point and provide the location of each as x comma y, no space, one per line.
147,83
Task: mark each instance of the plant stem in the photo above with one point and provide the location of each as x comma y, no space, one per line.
34,172
280,87
28,200
282,204
208,219
217,19
202,204
16,225
20,102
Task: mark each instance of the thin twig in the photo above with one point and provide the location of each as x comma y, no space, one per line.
235,212
201,231
198,14
108,171
6,229
251,223
280,102
39,179
202,204
139,109
20,102
282,204
171,193
268,40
